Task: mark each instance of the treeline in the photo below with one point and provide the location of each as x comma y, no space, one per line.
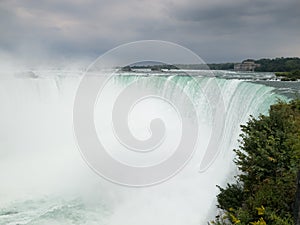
278,65
221,66
212,66
268,160
290,64
289,76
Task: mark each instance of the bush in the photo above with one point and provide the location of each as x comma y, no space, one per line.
268,158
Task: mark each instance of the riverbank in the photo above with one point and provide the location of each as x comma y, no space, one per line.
288,76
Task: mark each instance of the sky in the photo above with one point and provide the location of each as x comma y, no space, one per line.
51,31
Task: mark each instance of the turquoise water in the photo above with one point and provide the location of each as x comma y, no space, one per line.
46,181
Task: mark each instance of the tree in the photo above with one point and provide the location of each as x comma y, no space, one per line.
268,159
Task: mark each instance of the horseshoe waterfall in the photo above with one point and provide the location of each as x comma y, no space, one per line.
45,178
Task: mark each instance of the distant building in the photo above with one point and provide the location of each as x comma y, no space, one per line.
246,65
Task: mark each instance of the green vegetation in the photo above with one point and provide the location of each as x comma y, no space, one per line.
221,66
278,65
290,64
289,76
268,160
287,69
212,66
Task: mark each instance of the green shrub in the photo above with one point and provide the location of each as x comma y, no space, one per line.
268,159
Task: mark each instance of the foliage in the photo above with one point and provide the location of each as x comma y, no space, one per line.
278,65
268,159
221,66
231,196
266,65
212,66
289,76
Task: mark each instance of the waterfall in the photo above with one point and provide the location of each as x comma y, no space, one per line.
44,179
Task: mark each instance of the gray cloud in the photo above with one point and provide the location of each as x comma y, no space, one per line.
216,30
242,14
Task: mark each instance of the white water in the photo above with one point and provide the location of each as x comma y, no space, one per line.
44,180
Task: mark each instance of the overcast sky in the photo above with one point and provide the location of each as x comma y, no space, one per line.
217,30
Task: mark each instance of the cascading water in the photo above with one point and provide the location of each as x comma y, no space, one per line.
44,179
